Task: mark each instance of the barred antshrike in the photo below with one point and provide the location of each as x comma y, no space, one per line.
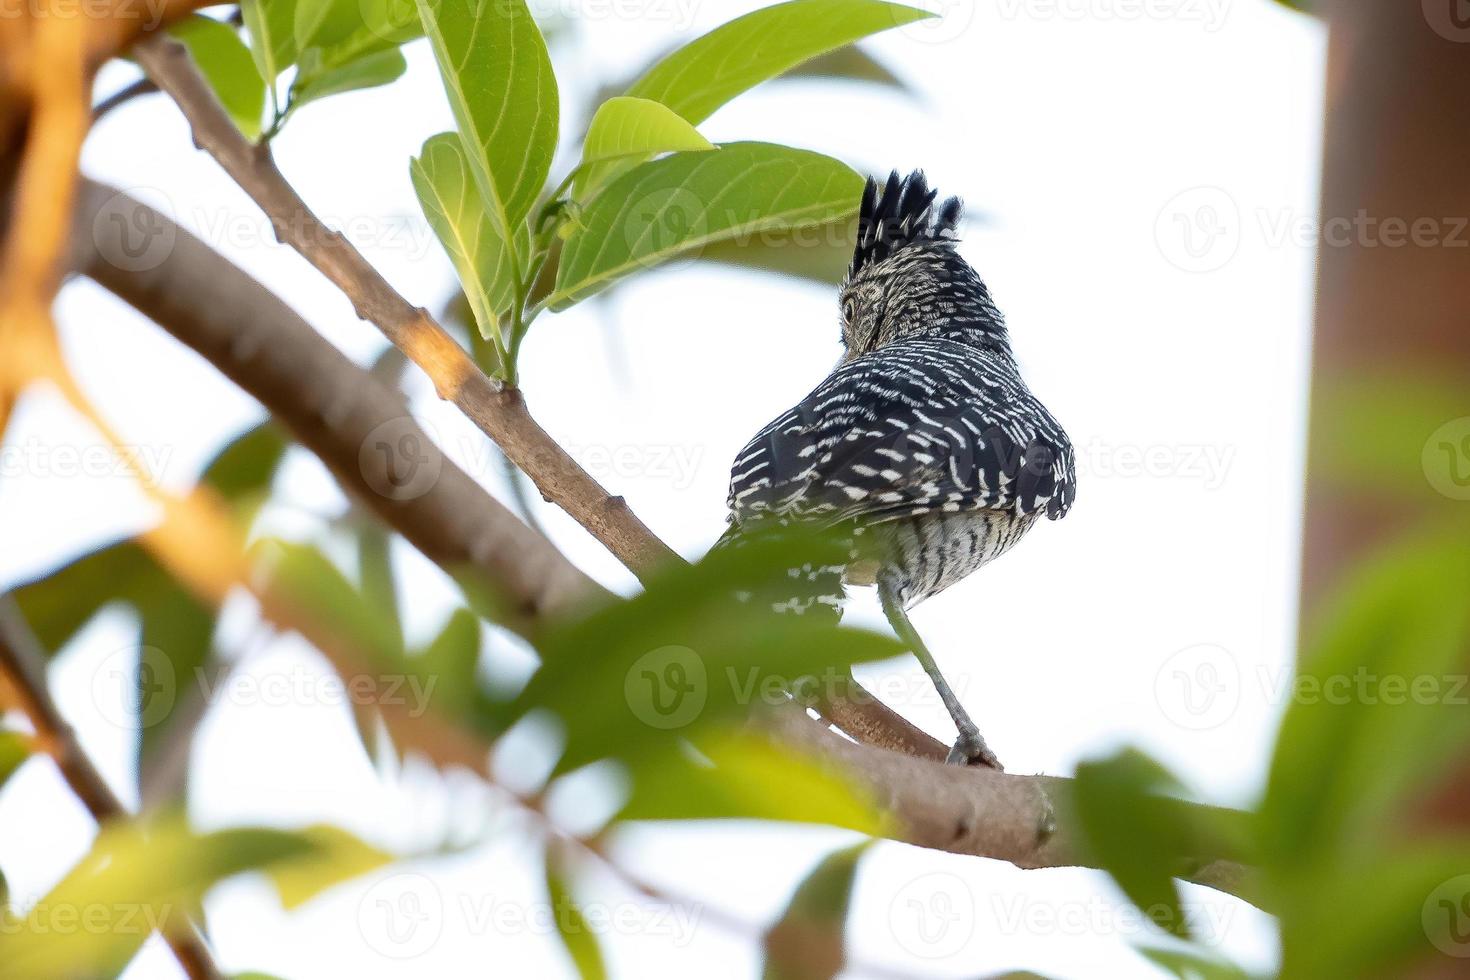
923,449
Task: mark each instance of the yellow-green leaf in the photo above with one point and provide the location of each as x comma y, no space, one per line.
335,856
806,943
452,204
625,126
502,91
688,200
226,63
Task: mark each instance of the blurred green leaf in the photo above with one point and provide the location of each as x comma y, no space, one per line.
806,943
452,659
1378,911
15,749
137,877
320,591
335,856
688,200
1378,706
625,127
703,75
443,180
685,654
503,93
851,63
226,63
1129,836
744,776
576,933
318,79
375,569
1192,964
818,254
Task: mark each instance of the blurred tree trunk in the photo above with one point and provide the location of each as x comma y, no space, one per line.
1389,445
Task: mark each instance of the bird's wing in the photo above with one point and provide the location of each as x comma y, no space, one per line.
922,426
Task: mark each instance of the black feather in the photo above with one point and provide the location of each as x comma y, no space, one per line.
902,214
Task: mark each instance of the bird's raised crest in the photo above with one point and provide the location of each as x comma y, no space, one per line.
901,213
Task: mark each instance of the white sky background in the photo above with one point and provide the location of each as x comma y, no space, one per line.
1159,613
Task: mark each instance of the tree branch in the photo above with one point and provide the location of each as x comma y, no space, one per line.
23,666
330,405
499,411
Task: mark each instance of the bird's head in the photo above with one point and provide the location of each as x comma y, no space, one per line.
906,279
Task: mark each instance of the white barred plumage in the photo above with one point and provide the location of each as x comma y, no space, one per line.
924,445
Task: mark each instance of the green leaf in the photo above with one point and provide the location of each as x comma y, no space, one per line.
1129,836
318,79
335,857
384,25
576,933
806,943
685,655
226,63
321,23
444,182
137,877
271,25
15,749
1378,707
322,592
452,659
375,570
503,93
703,75
626,126
688,200
744,776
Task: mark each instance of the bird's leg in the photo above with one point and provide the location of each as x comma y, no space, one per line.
969,748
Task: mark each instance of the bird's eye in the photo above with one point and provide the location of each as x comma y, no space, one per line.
849,310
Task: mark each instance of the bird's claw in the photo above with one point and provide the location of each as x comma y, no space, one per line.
970,750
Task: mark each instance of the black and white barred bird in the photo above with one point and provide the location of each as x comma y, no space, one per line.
924,449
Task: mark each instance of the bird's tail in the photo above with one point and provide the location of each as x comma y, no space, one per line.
813,588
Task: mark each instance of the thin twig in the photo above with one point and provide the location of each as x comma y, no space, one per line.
23,666
128,93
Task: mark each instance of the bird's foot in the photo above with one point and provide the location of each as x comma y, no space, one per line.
970,750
